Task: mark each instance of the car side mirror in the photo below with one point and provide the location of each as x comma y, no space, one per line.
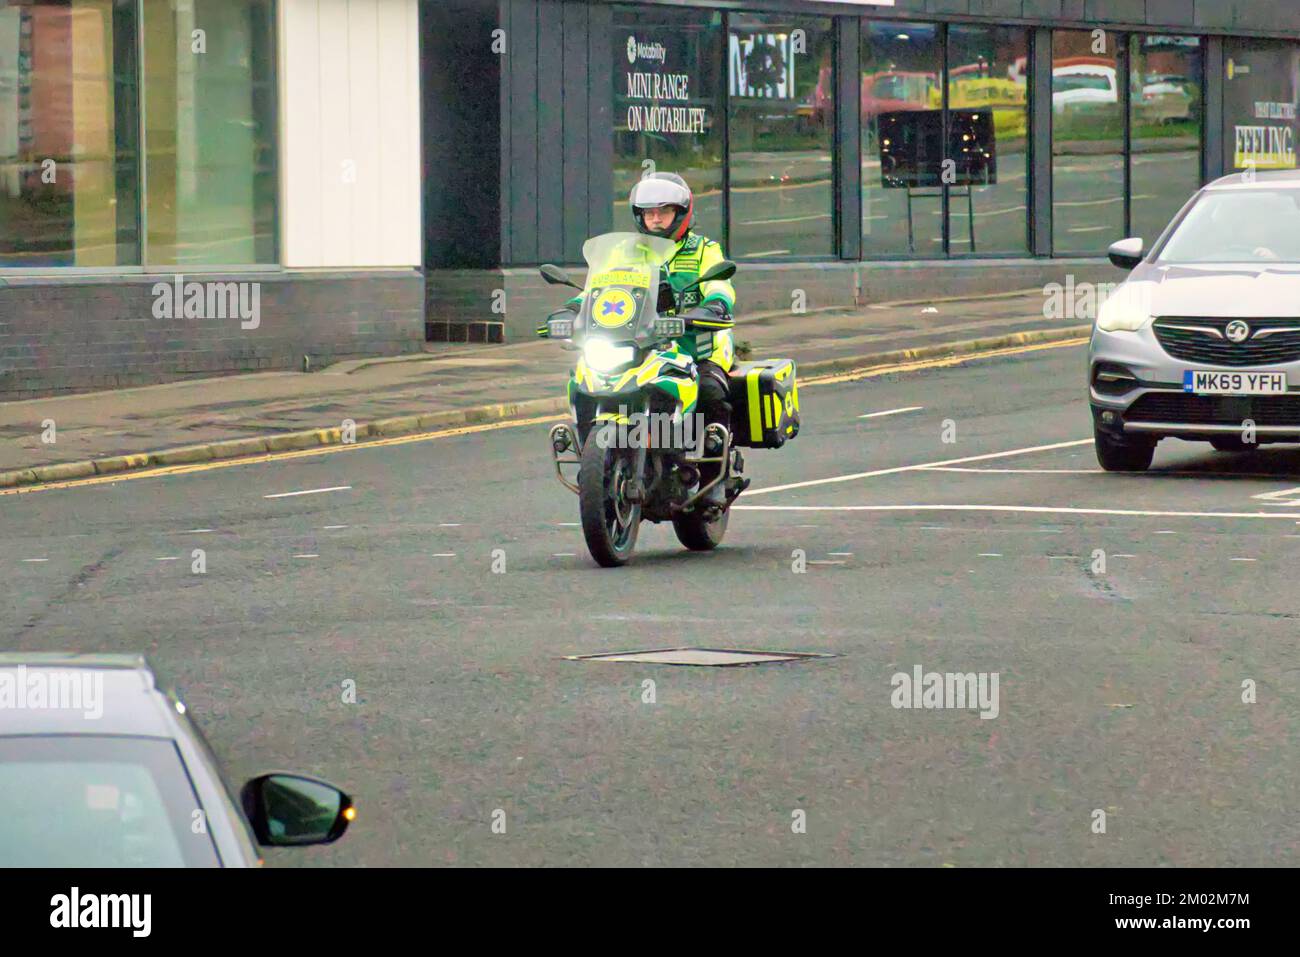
290,810
557,276
1126,253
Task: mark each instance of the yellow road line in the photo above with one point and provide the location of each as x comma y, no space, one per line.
492,426
277,456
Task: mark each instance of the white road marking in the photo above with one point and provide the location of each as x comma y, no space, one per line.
563,554
195,531
1164,531
990,555
449,524
307,556
568,524
1243,559
914,468
876,415
1123,556
310,491
845,554
35,559
824,562
168,558
937,468
1279,497
933,528
444,554
1035,509
330,528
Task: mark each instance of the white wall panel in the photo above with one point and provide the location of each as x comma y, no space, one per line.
350,116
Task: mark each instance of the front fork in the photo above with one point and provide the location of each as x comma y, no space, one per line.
564,439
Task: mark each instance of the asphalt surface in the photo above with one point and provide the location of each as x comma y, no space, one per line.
1120,689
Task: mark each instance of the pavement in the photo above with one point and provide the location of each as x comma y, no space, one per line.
200,420
1142,629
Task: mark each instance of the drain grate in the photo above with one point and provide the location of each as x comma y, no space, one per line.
700,657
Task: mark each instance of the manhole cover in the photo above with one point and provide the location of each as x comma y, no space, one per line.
707,657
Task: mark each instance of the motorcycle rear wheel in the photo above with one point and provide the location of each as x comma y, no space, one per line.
700,535
609,522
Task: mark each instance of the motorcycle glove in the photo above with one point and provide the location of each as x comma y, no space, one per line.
712,315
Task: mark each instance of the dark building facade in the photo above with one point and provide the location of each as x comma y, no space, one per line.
848,152
380,172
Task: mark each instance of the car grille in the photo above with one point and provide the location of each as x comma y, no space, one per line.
1189,409
1212,350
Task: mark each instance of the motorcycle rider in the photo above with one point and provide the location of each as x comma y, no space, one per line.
663,205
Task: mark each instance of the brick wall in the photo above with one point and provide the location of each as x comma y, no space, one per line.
63,335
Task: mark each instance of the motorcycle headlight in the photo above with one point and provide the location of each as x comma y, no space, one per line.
1123,313
606,357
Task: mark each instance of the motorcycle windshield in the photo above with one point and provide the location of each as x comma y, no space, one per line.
620,296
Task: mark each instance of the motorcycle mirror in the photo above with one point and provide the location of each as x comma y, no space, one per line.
557,276
723,270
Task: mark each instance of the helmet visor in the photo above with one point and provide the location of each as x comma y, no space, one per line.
649,193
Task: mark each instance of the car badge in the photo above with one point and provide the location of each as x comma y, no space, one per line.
1237,331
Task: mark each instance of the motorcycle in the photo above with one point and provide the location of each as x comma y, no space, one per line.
632,401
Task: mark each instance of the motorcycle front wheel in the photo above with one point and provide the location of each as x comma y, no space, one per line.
697,534
609,521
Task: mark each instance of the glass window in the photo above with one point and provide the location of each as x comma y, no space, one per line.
1164,129
68,134
988,136
98,801
668,105
1252,226
902,101
1087,143
1261,93
781,122
210,132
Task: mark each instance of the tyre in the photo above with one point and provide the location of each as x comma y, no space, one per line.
1127,454
697,534
609,521
1230,443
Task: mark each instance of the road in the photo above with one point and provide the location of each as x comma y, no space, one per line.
1120,689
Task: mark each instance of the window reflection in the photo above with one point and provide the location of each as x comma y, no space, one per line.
1087,143
781,123
988,86
1164,129
210,140
68,132
901,140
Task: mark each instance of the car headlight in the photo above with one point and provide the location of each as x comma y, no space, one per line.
1120,315
1126,309
605,357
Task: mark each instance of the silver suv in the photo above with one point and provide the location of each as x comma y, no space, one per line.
1202,340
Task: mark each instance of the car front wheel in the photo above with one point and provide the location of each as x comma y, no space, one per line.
1123,454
